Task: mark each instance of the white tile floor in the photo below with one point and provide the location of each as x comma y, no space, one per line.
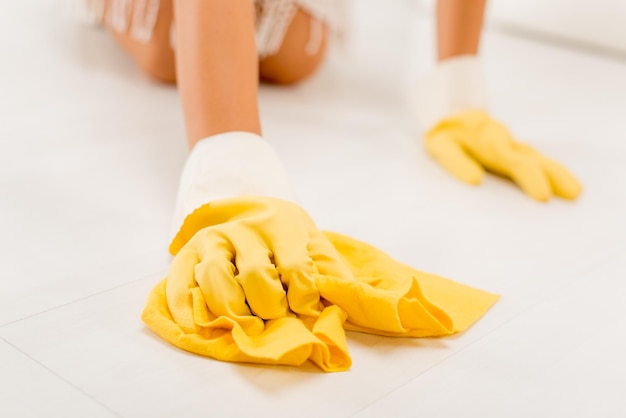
90,152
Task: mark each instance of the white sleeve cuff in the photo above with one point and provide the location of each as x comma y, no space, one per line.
230,165
455,85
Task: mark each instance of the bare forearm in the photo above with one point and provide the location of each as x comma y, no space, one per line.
217,66
459,25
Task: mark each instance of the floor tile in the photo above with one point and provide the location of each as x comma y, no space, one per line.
560,358
27,389
100,345
86,190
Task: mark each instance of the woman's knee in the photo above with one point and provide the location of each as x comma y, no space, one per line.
301,53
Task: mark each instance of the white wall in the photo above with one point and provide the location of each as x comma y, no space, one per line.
600,23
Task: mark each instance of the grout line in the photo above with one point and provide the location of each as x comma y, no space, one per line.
49,370
155,273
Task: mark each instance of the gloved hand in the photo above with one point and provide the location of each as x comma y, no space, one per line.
470,142
262,246
462,137
253,259
242,286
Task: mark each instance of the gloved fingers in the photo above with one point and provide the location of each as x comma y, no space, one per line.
493,146
180,281
259,277
215,275
296,270
450,154
326,257
527,172
564,184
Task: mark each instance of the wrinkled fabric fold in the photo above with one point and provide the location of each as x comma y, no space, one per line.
283,341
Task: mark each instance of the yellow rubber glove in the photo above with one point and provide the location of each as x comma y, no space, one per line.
242,286
253,280
261,249
471,142
450,105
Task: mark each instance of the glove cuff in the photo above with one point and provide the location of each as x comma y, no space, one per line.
229,165
455,85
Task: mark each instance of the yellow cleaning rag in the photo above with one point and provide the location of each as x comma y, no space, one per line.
253,280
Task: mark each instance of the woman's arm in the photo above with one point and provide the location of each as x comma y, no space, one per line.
459,24
217,66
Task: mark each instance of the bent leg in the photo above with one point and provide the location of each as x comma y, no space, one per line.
301,53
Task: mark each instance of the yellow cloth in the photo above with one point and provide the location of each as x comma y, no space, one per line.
470,142
253,280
